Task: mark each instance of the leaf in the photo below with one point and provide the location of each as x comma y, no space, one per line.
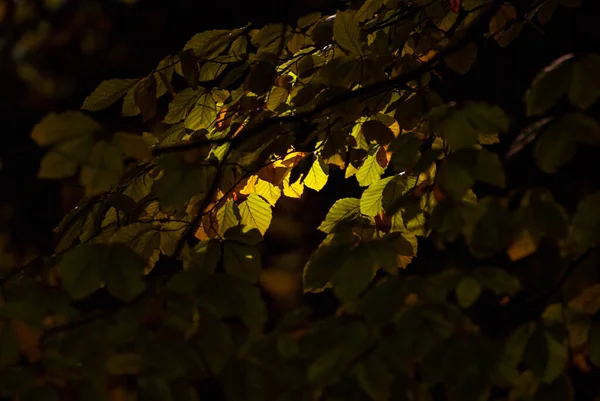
170,235
375,130
462,60
261,77
180,106
107,93
209,44
369,172
346,32
144,95
256,212
488,169
242,261
375,379
71,137
82,270
317,175
584,89
204,113
180,181
585,227
189,68
103,169
367,10
584,129
354,275
548,87
467,291
268,191
124,364
371,199
277,96
228,216
326,260
342,210
454,178
554,148
132,145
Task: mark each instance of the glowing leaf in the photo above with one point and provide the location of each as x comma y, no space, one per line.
256,212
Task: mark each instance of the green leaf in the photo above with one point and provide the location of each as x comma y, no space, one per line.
317,175
205,257
488,169
353,275
342,210
124,364
227,296
346,32
228,216
107,93
82,269
554,148
256,212
374,378
326,260
242,261
405,152
144,95
584,89
582,127
371,199
585,227
461,61
180,181
125,273
367,10
493,230
180,106
369,172
454,178
261,77
170,235
548,87
71,137
204,113
468,291
209,44
277,96
189,68
103,169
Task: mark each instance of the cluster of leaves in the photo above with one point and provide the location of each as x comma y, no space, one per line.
257,114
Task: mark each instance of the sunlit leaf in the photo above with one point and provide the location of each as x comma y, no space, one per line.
371,199
342,210
317,175
256,212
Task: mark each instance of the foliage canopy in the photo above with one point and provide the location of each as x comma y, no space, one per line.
169,234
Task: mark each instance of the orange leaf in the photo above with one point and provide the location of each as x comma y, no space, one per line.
521,247
455,5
